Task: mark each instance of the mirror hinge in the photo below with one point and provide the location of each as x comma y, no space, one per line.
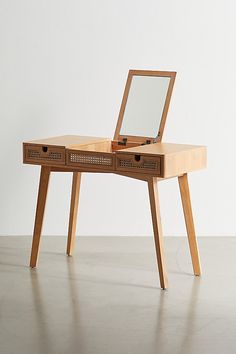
123,142
147,142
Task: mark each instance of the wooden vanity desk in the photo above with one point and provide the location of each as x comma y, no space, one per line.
138,156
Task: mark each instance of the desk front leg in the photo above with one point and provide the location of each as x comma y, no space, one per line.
73,212
188,215
157,229
41,202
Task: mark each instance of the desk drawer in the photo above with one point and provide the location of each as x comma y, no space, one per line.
139,163
44,154
90,159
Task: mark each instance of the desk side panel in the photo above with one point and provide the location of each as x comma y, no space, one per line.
176,164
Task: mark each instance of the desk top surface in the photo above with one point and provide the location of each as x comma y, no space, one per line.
161,148
83,152
75,141
67,141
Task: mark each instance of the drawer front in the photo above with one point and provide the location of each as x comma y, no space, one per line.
139,163
90,159
43,154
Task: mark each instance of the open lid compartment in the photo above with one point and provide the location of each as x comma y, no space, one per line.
144,107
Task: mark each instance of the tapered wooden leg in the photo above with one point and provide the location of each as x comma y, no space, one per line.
188,215
42,196
73,212
157,229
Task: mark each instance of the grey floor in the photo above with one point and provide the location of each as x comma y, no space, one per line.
106,299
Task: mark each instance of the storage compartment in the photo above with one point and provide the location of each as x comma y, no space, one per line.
52,151
44,154
138,163
161,159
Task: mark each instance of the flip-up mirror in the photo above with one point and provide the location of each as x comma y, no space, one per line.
144,106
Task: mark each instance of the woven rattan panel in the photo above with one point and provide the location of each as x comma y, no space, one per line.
138,163
145,164
32,154
87,159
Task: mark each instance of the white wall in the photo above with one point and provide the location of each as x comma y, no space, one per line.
63,66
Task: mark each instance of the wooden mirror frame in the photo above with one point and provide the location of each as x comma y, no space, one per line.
143,139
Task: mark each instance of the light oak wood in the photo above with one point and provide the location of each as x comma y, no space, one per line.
142,158
175,159
170,160
52,151
117,146
122,107
157,230
42,196
166,107
188,214
67,141
73,212
98,146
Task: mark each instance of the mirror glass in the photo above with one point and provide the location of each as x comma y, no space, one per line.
144,106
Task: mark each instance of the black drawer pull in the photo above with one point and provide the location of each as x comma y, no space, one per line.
137,157
45,148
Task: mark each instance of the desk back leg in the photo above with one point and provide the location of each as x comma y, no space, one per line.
41,202
188,215
157,229
73,212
